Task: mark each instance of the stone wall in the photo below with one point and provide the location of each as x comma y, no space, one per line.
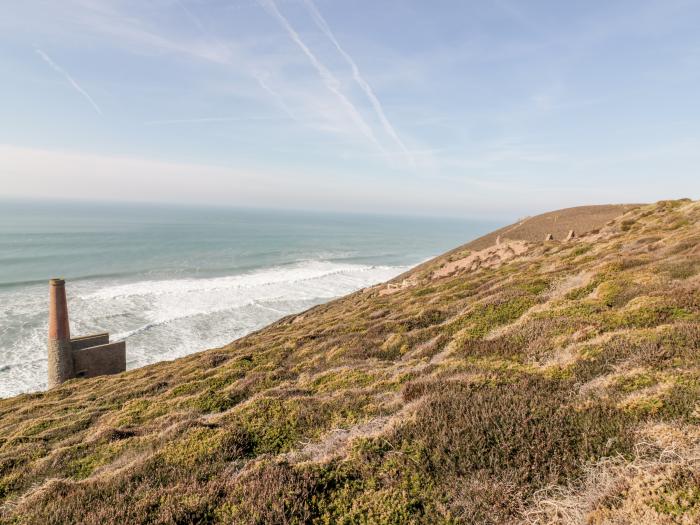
78,343
102,359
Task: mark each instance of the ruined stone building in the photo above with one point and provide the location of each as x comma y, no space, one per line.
88,356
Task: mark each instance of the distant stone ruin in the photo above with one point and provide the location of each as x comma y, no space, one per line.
87,356
549,237
571,235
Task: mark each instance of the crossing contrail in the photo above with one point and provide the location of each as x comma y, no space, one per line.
328,78
357,75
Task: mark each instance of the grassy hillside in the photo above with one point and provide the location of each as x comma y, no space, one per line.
518,382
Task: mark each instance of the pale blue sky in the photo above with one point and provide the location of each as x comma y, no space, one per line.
471,108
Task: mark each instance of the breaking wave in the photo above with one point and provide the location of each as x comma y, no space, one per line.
169,318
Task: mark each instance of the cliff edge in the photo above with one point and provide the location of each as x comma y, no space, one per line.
512,380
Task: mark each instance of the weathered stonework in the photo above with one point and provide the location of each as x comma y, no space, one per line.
60,362
59,346
100,360
86,356
78,343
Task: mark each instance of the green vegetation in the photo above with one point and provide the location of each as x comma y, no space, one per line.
543,386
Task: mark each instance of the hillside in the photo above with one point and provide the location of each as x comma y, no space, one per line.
511,380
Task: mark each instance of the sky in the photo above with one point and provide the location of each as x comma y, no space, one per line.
441,107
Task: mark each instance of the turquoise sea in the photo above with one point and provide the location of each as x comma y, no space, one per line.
173,280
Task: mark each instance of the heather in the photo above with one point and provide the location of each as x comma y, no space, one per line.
512,380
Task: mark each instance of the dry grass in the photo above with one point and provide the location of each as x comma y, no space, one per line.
561,384
659,485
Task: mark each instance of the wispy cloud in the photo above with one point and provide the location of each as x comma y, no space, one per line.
359,78
327,109
46,58
207,120
259,77
329,79
224,48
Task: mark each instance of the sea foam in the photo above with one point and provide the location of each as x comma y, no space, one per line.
169,318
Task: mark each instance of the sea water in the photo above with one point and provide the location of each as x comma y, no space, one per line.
176,280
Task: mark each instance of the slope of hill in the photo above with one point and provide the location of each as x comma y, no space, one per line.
514,382
580,219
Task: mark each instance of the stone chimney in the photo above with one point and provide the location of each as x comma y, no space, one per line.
87,356
60,351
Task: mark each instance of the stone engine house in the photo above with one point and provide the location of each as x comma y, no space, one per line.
87,356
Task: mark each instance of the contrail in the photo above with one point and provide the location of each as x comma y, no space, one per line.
278,98
258,77
196,21
191,16
330,81
364,85
69,78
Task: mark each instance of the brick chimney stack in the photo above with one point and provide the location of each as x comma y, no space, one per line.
87,356
59,346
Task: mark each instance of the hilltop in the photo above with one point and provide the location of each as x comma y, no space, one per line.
511,380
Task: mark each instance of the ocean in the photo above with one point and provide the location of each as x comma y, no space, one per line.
175,280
